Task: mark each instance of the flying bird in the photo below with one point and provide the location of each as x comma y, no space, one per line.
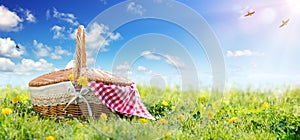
284,23
17,46
249,14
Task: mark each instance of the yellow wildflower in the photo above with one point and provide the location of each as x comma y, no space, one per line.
210,114
80,125
104,129
180,101
15,99
69,121
216,103
7,87
168,135
6,111
143,120
34,118
49,138
82,81
103,116
164,103
226,102
180,117
233,119
24,97
200,106
265,105
163,121
71,77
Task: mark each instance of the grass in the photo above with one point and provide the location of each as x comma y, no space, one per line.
240,114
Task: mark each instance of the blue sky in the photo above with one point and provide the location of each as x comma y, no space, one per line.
140,39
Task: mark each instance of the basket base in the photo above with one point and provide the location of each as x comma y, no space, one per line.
74,110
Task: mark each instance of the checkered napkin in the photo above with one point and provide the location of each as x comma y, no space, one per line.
123,99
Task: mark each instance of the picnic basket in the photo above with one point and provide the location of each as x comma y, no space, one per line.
53,94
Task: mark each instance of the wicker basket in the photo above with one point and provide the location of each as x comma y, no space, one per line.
53,94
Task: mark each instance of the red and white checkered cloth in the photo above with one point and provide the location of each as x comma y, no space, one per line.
123,99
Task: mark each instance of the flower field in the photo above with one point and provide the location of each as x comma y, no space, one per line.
240,114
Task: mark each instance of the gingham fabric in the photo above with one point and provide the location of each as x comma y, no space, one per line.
123,99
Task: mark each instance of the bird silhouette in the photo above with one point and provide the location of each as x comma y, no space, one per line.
17,46
284,23
249,14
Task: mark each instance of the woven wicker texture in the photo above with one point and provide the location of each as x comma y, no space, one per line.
74,110
91,74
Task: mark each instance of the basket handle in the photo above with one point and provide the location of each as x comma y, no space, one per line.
80,57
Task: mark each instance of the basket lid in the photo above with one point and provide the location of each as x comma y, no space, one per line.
91,74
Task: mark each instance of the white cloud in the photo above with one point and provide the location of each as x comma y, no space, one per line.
240,53
9,20
149,55
43,50
58,32
174,61
59,52
135,8
68,17
28,15
123,67
6,65
141,68
48,14
8,48
98,38
70,64
114,36
26,67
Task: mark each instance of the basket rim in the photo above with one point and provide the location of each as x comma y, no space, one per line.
91,74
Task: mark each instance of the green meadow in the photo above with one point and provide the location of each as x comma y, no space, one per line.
239,114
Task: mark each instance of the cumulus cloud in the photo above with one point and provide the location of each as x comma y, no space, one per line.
123,67
9,20
58,32
8,48
70,64
98,38
6,65
141,68
150,55
68,17
174,61
26,67
42,50
135,8
59,52
48,14
28,15
240,53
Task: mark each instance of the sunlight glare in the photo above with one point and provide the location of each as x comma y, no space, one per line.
294,6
